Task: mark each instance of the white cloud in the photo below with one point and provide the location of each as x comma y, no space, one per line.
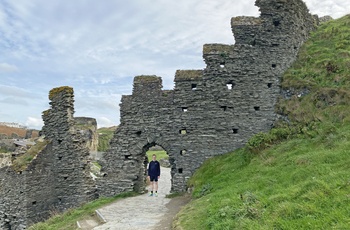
104,122
33,122
98,47
5,67
334,8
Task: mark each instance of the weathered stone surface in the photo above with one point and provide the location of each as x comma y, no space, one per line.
211,111
57,179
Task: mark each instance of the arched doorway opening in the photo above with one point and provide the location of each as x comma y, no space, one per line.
162,156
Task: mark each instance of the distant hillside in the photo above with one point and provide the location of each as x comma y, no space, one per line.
297,175
12,132
105,134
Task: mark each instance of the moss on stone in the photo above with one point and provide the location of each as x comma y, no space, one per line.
188,75
146,78
217,48
58,90
247,21
46,112
21,162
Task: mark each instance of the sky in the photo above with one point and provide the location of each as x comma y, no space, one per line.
98,47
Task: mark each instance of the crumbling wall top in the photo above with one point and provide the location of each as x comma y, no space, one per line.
246,21
188,75
216,48
55,91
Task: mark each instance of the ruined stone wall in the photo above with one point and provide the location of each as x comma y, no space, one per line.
87,127
211,111
56,179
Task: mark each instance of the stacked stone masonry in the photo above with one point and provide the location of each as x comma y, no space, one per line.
211,111
57,179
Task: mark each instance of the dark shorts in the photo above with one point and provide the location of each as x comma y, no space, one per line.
153,178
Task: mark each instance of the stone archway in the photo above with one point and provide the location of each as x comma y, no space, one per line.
141,183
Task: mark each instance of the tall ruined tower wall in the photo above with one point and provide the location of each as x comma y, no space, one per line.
56,179
211,111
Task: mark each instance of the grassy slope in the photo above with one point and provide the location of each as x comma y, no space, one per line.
104,136
298,180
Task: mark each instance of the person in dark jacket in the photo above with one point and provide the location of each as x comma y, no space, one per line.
154,175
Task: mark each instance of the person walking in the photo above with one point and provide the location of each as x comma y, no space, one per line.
154,175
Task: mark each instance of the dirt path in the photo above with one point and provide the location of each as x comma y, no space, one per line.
143,212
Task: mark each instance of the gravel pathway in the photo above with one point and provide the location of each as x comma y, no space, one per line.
140,212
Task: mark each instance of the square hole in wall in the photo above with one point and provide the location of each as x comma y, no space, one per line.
235,130
222,64
230,85
34,203
184,109
180,170
138,133
274,65
269,85
194,86
183,152
256,108
224,108
276,22
183,131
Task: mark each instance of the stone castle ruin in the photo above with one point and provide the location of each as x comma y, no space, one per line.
209,112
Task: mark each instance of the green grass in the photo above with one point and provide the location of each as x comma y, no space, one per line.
68,220
160,155
297,175
21,162
104,137
301,183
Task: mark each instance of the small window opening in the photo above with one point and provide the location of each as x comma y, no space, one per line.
257,108
235,130
180,170
59,199
276,22
65,178
222,64
224,108
183,131
20,192
230,85
59,158
138,133
184,109
194,86
127,157
183,152
59,141
269,85
275,45
253,43
274,65
34,203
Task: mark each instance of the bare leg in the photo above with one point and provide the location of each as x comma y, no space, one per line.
155,186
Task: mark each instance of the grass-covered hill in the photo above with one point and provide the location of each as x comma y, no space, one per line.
105,134
297,176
